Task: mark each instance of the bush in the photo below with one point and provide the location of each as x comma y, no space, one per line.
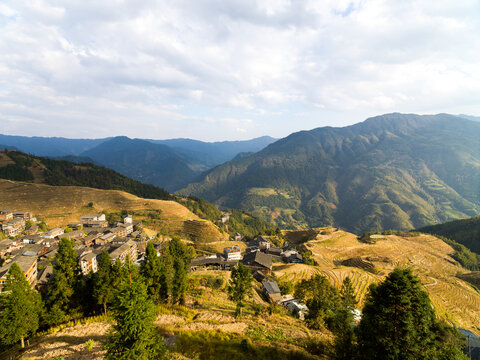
89,344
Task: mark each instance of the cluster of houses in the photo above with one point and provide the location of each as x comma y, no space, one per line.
14,222
258,257
33,250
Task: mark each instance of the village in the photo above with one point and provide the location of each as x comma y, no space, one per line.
32,246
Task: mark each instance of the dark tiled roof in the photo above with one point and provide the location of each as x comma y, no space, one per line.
258,258
271,287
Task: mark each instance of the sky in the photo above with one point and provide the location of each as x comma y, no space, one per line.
231,69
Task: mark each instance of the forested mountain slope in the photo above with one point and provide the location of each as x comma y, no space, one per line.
464,231
396,171
15,165
142,160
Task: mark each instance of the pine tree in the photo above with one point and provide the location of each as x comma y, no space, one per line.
151,272
64,285
133,334
182,256
180,282
398,321
104,281
19,308
343,323
322,299
240,286
166,275
347,294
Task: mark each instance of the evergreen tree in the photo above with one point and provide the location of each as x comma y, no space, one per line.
182,256
19,308
180,282
343,323
166,274
322,299
151,271
133,334
103,281
399,322
240,286
64,285
347,294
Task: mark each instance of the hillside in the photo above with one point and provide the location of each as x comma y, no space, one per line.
464,231
144,161
340,254
15,165
59,205
394,171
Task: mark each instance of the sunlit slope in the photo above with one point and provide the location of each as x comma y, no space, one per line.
59,205
339,254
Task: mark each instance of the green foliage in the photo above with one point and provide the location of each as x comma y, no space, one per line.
133,334
249,226
62,296
89,344
399,322
343,323
16,172
151,272
182,256
347,294
201,208
43,226
286,286
103,281
307,258
20,308
464,256
240,286
465,232
216,345
322,300
261,333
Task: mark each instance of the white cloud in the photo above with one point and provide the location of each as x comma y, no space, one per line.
161,69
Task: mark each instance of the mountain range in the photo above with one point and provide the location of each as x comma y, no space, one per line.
395,171
170,164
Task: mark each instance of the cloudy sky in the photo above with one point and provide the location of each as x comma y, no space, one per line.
231,69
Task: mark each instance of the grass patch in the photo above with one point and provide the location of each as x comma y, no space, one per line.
209,345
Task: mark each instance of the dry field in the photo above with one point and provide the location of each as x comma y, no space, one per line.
430,258
62,204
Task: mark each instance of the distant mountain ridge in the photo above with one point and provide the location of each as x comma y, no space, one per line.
211,154
171,163
142,160
395,171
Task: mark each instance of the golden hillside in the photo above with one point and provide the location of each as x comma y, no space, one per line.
340,254
59,205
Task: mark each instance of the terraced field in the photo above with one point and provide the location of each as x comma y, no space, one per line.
62,204
431,259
